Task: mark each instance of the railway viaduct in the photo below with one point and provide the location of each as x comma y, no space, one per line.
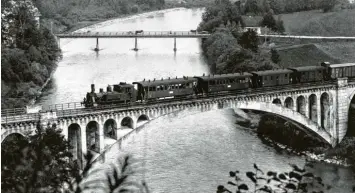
322,108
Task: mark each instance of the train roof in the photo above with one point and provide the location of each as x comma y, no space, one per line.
341,65
272,72
154,82
123,84
307,68
223,76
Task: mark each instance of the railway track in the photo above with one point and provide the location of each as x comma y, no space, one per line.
77,108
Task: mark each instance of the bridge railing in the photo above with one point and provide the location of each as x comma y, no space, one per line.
13,111
72,109
20,118
133,33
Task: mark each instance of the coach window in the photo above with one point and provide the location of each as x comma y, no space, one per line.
286,75
271,78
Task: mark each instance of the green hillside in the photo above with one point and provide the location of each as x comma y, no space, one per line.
339,23
303,55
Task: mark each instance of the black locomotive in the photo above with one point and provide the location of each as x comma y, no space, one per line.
139,92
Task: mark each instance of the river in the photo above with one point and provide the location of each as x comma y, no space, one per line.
184,152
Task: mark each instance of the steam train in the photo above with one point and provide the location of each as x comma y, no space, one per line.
124,93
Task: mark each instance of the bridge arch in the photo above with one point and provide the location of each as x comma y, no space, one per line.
277,101
301,105
12,136
288,114
127,122
110,129
289,103
312,105
93,136
325,103
74,139
142,118
8,133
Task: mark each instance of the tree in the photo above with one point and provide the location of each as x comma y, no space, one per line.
269,21
327,5
275,57
280,25
297,180
41,165
249,40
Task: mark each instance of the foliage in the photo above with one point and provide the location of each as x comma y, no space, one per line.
249,40
221,13
275,57
327,5
269,21
254,7
116,179
297,180
39,165
228,49
29,55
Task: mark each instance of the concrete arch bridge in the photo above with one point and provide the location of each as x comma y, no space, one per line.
322,108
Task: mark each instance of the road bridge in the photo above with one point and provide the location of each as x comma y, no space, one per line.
135,35
321,107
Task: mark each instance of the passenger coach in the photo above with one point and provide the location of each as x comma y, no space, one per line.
223,82
271,78
168,88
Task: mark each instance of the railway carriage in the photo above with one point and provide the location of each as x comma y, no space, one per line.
334,71
168,88
271,78
223,82
307,74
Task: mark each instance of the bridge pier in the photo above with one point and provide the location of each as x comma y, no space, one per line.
97,45
135,44
175,45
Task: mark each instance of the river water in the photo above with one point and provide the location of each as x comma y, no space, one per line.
185,152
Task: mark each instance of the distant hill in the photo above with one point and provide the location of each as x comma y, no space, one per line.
340,23
303,55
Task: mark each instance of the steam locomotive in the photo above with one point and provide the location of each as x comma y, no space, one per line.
124,93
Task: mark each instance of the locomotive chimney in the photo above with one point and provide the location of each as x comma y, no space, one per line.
109,88
92,88
169,77
101,90
154,79
203,74
176,77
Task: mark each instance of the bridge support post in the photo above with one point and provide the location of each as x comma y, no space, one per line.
135,44
97,48
175,45
58,42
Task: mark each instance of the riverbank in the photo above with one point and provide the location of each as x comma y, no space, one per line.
320,154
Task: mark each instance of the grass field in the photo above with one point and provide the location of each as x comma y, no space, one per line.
339,23
303,55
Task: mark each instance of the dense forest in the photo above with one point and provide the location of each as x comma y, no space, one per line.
28,53
64,15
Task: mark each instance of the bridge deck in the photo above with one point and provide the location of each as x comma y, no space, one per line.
130,34
75,109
